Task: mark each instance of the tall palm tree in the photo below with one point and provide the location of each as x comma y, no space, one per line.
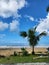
32,37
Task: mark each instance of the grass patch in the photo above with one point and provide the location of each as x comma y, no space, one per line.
22,59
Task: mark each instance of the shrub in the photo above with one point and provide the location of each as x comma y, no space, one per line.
2,56
48,49
22,49
15,54
25,53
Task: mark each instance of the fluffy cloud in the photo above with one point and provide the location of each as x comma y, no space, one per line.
3,26
10,7
43,25
30,17
14,25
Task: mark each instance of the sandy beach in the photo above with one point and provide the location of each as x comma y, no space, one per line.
9,50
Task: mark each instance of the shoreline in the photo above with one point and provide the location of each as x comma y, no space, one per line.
23,46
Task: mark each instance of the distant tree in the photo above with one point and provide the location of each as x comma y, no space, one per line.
32,37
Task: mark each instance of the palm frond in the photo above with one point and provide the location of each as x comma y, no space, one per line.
35,28
23,34
47,9
42,34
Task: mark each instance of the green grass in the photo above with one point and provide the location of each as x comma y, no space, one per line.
22,59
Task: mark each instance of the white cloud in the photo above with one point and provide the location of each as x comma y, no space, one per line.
14,25
43,25
29,17
10,7
3,26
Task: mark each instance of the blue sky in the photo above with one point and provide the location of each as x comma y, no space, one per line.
21,15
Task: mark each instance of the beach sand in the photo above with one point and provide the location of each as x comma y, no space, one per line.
10,51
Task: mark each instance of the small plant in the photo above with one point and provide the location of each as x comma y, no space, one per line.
15,54
22,49
25,53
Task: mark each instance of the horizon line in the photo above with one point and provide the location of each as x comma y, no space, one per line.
23,46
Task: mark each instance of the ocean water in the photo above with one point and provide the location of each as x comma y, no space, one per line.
13,45
17,45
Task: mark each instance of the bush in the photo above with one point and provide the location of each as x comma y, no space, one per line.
48,49
25,53
2,56
22,49
15,54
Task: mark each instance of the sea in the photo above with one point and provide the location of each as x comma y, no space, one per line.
14,46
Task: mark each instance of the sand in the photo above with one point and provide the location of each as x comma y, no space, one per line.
10,51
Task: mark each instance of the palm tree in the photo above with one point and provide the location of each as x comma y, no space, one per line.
32,37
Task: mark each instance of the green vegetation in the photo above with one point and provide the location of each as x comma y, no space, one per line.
47,9
15,54
32,37
22,59
24,52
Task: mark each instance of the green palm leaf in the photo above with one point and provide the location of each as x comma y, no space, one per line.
23,34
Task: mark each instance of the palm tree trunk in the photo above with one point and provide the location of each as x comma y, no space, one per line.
33,50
